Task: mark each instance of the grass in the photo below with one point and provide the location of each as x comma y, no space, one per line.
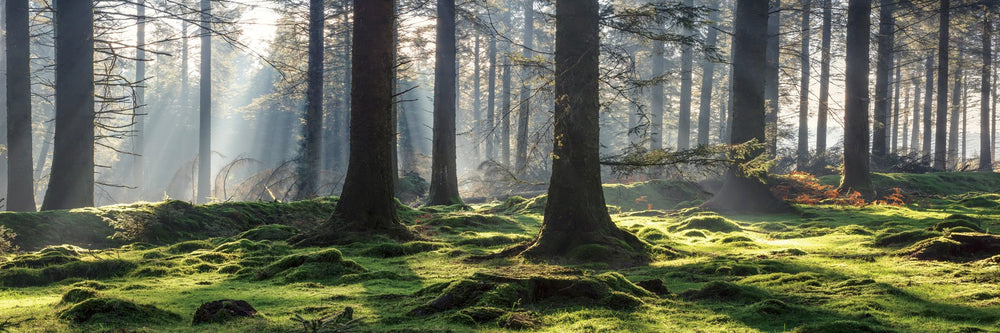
829,269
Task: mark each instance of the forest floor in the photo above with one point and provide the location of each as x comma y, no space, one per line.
931,265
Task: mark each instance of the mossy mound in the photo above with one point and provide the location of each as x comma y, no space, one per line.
467,221
981,201
901,238
246,246
77,295
839,326
956,247
655,194
789,252
189,246
722,291
770,307
509,288
651,234
785,279
520,205
495,240
319,265
273,232
393,249
734,239
854,229
222,311
99,269
695,233
770,226
951,224
39,260
116,311
96,285
712,223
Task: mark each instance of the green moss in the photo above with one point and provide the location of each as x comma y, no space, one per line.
721,291
77,295
269,232
837,326
618,300
189,246
495,240
116,311
902,238
735,239
770,226
853,229
478,315
38,260
981,201
150,271
100,269
789,252
951,224
770,307
319,265
712,223
651,234
229,269
96,285
393,249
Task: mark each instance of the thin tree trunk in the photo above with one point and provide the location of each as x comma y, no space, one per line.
904,148
965,120
491,92
857,176
71,184
941,128
707,81
20,181
138,148
915,134
803,147
824,79
883,71
954,119
444,173
477,106
505,95
205,107
312,138
524,109
687,69
894,138
771,80
657,98
985,151
928,111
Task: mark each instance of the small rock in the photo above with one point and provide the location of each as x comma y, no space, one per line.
222,310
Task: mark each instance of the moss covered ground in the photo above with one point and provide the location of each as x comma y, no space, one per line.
929,266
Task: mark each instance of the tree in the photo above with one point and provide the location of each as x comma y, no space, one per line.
744,189
71,184
985,153
575,212
824,79
20,180
205,106
524,110
367,204
915,134
684,119
771,80
505,97
941,128
883,69
707,81
491,92
857,176
803,148
444,173
925,149
138,166
656,97
955,117
312,140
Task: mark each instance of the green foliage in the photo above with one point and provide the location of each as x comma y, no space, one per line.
320,265
77,295
116,311
98,269
272,232
902,238
712,223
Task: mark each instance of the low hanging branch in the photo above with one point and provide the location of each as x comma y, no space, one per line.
636,158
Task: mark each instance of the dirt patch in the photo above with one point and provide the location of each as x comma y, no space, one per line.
956,247
223,311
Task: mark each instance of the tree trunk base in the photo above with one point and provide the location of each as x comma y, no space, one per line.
744,195
617,249
339,231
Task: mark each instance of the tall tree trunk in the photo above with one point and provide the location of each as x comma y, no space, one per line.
857,176
928,111
205,106
904,148
803,148
477,106
894,134
505,94
965,120
184,101
883,70
367,204
71,184
985,151
139,143
491,135
444,173
20,181
955,119
824,79
915,134
771,79
941,128
575,214
313,133
3,102
687,69
707,81
524,109
744,192
656,97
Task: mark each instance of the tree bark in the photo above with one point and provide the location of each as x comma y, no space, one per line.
771,78
883,70
477,106
985,151
524,109
857,176
139,143
904,147
367,205
941,128
313,133
928,113
707,81
71,184
444,172
894,134
205,107
491,135
687,69
575,213
656,98
505,94
955,119
20,181
742,192
803,148
915,134
824,79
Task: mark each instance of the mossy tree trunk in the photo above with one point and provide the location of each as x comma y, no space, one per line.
20,182
71,184
367,204
444,173
857,176
575,212
743,192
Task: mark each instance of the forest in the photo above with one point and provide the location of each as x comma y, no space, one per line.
499,165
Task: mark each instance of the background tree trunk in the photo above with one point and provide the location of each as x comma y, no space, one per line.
707,81
491,101
824,79
477,106
313,133
771,79
883,70
928,113
954,119
857,176
894,129
941,128
444,173
139,143
657,98
20,181
985,153
687,67
205,106
803,147
71,184
505,95
524,109
915,134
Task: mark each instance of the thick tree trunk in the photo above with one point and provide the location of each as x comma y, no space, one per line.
205,107
687,69
744,192
524,109
139,143
883,70
803,147
656,98
575,213
771,79
20,181
491,135
857,176
928,111
444,173
985,153
707,81
824,79
71,184
941,128
312,138
367,204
